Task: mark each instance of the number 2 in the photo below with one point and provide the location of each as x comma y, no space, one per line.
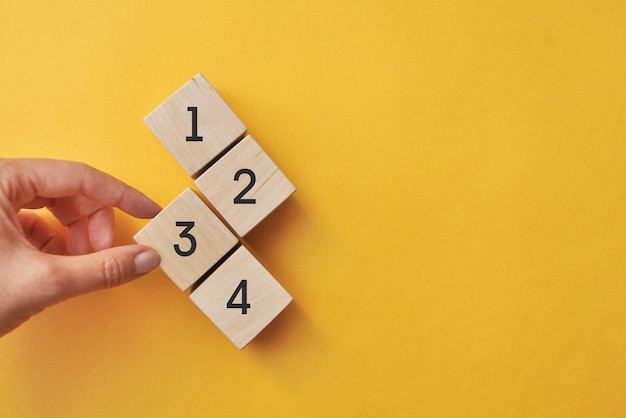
185,234
244,305
239,198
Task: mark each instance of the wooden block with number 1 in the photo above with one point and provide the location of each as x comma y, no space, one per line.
241,297
190,238
195,125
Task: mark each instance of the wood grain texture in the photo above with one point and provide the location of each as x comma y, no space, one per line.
217,124
267,298
212,239
271,187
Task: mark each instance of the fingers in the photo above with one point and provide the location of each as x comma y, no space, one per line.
94,233
89,222
84,234
101,224
78,238
70,209
37,181
40,234
76,275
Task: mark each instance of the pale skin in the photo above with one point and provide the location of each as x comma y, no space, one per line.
37,267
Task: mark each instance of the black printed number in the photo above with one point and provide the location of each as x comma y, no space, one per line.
239,199
244,305
194,125
185,234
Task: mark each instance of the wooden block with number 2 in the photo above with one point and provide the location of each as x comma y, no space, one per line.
245,185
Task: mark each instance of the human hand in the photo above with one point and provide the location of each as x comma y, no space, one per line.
36,268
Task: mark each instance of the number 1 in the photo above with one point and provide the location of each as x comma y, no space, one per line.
194,124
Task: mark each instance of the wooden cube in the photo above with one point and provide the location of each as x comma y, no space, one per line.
189,237
245,185
241,297
195,125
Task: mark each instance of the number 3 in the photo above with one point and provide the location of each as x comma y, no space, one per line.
185,234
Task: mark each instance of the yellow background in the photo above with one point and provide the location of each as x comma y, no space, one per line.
457,243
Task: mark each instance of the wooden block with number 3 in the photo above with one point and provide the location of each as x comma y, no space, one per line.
241,297
190,238
245,185
195,125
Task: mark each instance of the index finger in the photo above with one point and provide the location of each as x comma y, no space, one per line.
27,180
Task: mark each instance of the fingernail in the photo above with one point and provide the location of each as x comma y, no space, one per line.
145,261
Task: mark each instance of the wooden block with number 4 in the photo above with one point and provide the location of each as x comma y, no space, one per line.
241,297
245,185
190,238
195,125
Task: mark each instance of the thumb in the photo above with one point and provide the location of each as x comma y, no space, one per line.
75,275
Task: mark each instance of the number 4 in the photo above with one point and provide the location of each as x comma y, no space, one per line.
244,305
